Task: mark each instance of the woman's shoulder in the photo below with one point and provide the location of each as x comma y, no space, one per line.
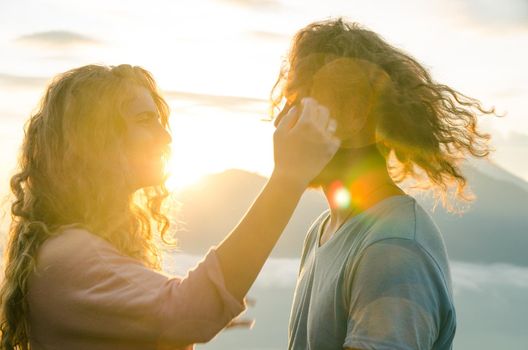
73,245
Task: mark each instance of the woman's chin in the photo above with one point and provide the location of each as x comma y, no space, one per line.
150,180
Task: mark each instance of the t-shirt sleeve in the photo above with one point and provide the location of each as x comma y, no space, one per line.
105,294
394,295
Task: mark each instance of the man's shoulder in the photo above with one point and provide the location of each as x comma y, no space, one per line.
409,221
311,236
316,224
393,218
403,218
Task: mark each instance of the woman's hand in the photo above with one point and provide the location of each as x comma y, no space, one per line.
304,142
240,322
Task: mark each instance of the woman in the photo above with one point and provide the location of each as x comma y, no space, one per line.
81,268
374,271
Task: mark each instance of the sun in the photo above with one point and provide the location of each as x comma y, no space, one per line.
181,176
198,149
209,140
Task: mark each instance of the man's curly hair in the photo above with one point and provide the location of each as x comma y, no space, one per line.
423,128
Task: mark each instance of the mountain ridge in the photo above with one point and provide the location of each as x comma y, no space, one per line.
487,232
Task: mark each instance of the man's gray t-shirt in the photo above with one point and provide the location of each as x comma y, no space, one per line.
381,282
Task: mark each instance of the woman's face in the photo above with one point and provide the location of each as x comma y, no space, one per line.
146,140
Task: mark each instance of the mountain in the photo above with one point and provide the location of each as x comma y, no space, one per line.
212,208
497,172
493,230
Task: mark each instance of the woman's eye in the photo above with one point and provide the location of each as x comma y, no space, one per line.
146,118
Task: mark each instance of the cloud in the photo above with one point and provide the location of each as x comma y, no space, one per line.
510,92
276,273
271,36
510,150
491,12
481,277
239,103
57,38
515,139
282,273
255,4
19,81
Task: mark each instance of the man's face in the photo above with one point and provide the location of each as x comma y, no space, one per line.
353,147
347,163
333,170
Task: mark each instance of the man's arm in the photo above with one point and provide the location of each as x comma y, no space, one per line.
395,298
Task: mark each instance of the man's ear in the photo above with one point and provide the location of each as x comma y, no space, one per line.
361,132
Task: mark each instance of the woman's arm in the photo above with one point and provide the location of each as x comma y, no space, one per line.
304,142
87,289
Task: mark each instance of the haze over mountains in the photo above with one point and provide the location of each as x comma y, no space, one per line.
484,245
493,230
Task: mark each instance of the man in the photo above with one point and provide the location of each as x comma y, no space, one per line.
374,271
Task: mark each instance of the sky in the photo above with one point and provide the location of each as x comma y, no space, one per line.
490,305
216,61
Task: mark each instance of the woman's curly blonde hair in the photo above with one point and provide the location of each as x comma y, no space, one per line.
422,127
71,173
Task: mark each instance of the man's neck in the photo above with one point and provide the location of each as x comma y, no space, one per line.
364,182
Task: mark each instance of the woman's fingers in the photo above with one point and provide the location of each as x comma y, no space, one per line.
308,112
289,120
322,117
313,115
250,301
287,107
315,121
305,141
311,112
241,323
332,126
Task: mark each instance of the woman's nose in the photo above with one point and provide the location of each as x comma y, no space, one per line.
164,136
